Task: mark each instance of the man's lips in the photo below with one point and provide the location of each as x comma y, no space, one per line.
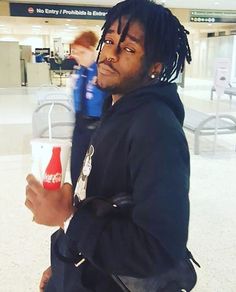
105,69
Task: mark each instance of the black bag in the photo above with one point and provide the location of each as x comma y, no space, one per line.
182,277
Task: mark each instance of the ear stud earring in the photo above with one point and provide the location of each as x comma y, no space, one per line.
153,76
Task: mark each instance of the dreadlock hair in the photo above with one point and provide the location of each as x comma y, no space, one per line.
165,39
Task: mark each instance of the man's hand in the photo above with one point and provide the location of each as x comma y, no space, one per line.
45,278
49,208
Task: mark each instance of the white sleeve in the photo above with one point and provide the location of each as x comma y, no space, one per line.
67,223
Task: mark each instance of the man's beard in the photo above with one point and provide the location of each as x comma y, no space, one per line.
130,83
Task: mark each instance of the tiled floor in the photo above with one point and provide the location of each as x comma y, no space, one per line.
24,245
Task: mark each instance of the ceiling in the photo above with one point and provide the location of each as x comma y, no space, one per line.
197,4
68,28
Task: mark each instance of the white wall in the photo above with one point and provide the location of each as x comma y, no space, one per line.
206,50
10,73
26,40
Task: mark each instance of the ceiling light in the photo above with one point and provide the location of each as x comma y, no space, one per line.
36,26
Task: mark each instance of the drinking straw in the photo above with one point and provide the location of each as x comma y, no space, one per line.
50,122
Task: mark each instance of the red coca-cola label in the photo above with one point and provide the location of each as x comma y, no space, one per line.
53,172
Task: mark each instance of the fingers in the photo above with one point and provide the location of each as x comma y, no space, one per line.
30,177
29,192
34,184
49,207
31,198
33,189
45,278
28,204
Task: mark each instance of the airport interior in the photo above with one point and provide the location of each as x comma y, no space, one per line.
36,68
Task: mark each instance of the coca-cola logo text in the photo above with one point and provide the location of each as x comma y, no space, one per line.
52,178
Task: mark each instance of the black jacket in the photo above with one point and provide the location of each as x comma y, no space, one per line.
140,150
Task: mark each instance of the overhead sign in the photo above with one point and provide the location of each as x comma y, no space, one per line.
212,16
43,51
57,11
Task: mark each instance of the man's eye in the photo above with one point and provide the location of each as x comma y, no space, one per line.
107,42
129,50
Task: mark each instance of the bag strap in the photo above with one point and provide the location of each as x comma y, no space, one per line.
190,256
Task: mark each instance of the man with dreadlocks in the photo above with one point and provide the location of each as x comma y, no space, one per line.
127,229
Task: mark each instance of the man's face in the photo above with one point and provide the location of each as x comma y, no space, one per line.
82,55
121,71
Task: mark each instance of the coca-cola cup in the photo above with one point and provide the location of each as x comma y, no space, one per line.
50,159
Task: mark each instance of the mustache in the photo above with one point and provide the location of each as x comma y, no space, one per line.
109,64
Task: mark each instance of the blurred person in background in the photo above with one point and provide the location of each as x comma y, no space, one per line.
88,99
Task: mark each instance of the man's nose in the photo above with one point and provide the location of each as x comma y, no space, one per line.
113,55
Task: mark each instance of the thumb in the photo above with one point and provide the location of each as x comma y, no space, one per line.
67,188
67,191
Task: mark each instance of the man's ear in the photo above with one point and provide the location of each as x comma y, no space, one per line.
156,69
